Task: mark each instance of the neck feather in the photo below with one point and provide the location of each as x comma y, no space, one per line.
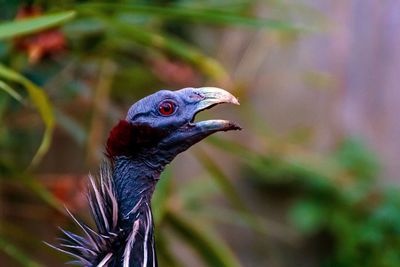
134,182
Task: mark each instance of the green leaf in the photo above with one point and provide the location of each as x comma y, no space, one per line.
173,46
41,102
221,179
6,88
18,255
308,216
227,187
33,24
214,16
354,155
195,192
164,252
212,249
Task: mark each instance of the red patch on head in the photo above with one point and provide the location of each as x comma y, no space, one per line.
127,139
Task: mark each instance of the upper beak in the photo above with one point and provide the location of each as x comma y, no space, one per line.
213,96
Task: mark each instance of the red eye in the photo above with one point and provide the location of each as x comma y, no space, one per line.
166,108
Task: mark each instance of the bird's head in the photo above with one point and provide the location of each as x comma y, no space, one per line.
161,125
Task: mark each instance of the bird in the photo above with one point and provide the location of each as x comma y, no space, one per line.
156,129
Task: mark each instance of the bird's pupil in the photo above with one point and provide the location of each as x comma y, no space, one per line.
166,108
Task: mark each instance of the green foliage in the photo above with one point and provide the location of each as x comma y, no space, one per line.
358,160
361,218
308,216
41,102
32,25
6,88
335,195
17,254
211,249
133,38
188,13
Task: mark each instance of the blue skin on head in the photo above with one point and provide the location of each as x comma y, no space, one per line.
147,111
149,131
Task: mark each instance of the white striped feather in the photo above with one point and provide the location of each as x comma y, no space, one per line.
99,201
104,207
130,242
104,262
146,236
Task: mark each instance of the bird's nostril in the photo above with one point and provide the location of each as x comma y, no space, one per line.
196,96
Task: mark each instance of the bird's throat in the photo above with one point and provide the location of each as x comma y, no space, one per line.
134,183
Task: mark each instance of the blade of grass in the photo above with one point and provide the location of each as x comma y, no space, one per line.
164,252
230,192
14,252
34,24
213,250
173,46
270,228
195,192
213,16
14,94
42,104
296,161
225,5
221,179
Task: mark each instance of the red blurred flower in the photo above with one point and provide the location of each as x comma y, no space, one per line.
41,44
67,188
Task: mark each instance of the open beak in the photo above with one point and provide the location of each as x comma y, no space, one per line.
208,97
192,132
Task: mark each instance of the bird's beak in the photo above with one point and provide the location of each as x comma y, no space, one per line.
208,97
213,96
192,132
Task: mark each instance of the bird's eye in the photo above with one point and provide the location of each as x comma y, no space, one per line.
167,108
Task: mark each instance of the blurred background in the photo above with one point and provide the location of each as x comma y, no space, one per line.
311,180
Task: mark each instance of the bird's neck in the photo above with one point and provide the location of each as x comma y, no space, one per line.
134,180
